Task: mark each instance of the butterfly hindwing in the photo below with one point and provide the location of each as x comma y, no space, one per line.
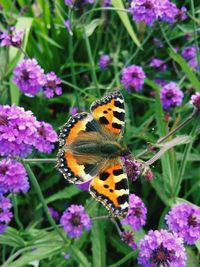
78,168
110,187
110,112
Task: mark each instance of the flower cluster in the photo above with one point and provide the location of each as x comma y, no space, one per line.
128,238
171,95
149,11
133,167
74,220
195,100
20,132
11,38
104,60
158,64
5,213
189,53
184,219
136,217
133,78
30,79
13,177
162,248
106,3
54,214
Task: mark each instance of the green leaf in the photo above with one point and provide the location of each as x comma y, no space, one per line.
98,244
186,69
14,92
192,259
125,20
90,28
48,39
79,257
11,238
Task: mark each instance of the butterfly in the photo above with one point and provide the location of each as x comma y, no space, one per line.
91,147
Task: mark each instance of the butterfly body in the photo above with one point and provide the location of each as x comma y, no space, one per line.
90,149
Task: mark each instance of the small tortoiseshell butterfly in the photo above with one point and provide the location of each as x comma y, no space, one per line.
90,150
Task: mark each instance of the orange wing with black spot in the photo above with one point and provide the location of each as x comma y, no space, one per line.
110,187
110,112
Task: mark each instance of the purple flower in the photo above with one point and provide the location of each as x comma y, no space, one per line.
51,86
53,213
13,177
171,95
46,136
133,167
158,64
104,60
106,3
18,130
162,248
195,100
167,11
67,24
184,219
84,186
144,10
13,37
69,3
160,82
29,77
75,220
133,78
182,14
136,217
5,213
128,238
74,110
189,53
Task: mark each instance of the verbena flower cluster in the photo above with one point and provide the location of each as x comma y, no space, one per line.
148,11
30,79
5,213
195,100
128,238
162,248
104,60
11,38
136,217
190,54
133,78
158,64
184,219
132,167
20,132
171,96
74,220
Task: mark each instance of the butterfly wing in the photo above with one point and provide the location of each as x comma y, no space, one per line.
110,112
110,187
75,167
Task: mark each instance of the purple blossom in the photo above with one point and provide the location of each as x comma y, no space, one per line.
84,186
69,3
18,130
189,53
13,177
162,248
133,78
184,219
5,213
67,24
54,213
29,77
128,238
51,86
167,11
11,38
74,110
136,217
106,3
195,100
104,60
171,95
75,220
46,136
182,14
144,10
133,167
158,64
160,82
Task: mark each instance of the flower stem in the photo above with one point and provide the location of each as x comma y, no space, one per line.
53,160
16,214
41,198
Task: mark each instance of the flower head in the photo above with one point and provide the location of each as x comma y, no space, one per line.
133,78
29,77
161,248
184,219
75,220
13,177
106,3
133,167
144,10
189,53
104,60
167,11
5,213
46,136
195,100
171,96
11,38
74,110
53,213
51,86
67,24
158,64
128,238
136,217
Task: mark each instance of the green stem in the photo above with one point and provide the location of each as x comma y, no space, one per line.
41,198
165,37
185,157
195,31
53,160
15,206
92,65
